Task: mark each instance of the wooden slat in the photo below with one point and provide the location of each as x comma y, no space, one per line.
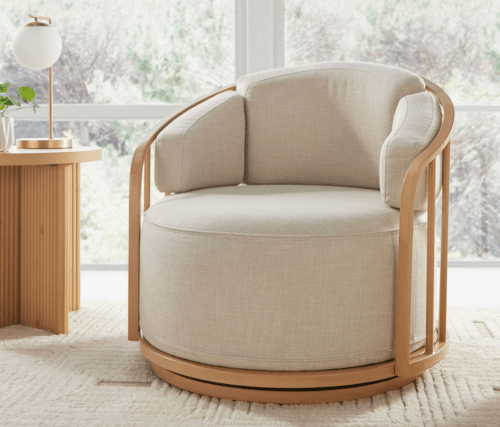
431,230
403,295
10,180
46,246
147,180
71,222
443,286
67,230
76,235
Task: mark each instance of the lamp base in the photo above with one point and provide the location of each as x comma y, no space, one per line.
44,143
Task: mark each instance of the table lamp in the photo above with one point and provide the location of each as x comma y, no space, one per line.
37,45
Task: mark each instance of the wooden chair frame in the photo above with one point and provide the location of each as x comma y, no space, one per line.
325,385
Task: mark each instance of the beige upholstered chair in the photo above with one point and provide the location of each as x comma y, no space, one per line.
295,261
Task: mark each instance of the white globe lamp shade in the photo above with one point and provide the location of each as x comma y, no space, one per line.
37,47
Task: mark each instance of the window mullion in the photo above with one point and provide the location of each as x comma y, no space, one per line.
260,35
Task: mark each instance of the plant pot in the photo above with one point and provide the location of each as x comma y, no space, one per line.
6,133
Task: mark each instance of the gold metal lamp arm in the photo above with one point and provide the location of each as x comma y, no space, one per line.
37,17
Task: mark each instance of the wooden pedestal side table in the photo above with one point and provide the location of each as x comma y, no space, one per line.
40,236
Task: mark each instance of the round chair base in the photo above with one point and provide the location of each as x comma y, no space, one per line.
281,396
287,387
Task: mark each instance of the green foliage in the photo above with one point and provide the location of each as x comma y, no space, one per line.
35,105
25,94
493,45
193,55
6,101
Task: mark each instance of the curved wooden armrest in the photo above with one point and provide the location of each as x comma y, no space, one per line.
433,150
440,144
141,160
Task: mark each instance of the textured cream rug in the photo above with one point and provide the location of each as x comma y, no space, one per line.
95,377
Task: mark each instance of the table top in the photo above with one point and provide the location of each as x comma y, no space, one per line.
77,154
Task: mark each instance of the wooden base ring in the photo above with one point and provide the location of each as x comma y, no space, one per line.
284,387
284,396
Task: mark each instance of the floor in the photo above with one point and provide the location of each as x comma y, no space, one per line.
466,286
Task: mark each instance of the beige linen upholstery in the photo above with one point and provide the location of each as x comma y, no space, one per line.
321,123
416,123
204,147
276,277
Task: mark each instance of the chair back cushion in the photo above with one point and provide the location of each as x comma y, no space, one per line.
321,124
204,147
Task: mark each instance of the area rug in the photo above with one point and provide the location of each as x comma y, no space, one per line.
95,377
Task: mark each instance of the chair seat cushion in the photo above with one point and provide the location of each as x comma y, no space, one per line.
276,277
281,210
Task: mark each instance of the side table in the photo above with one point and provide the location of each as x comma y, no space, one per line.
40,236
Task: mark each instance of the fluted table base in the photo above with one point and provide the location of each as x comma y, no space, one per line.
39,245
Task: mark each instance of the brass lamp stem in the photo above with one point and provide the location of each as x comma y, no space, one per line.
50,104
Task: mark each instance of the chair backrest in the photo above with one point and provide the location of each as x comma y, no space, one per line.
321,124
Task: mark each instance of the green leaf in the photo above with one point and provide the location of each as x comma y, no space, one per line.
6,100
2,106
4,87
26,94
14,102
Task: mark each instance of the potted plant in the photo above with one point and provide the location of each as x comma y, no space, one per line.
26,95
